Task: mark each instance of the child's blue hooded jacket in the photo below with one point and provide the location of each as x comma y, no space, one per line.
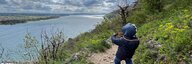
128,43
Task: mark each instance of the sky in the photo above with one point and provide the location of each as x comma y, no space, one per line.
58,6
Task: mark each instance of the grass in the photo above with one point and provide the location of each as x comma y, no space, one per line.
90,42
173,36
165,35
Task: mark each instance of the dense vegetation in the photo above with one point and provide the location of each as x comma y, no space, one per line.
169,41
164,28
22,19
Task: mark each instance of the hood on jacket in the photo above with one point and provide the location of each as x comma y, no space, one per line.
129,30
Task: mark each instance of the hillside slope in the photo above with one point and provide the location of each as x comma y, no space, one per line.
162,41
164,28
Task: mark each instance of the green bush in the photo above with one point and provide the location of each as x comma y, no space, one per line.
174,36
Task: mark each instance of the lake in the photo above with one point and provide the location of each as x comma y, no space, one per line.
11,36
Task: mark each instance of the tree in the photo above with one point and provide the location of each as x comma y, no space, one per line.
124,6
46,50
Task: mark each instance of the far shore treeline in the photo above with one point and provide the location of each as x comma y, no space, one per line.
10,20
14,18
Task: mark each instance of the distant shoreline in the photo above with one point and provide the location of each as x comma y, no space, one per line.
15,18
11,20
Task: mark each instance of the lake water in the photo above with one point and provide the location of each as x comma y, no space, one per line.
11,36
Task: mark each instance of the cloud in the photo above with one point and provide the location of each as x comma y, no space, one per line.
58,6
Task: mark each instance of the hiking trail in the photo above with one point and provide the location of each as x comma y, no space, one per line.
106,57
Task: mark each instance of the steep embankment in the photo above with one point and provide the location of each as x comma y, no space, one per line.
164,28
162,41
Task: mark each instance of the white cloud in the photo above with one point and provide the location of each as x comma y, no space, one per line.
58,6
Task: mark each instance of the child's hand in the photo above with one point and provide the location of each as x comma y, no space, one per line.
115,34
119,34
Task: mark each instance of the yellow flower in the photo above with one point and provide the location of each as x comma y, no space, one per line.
187,16
181,30
185,21
186,27
174,31
161,26
185,10
191,17
168,24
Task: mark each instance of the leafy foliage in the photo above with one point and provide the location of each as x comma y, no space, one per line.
165,31
174,36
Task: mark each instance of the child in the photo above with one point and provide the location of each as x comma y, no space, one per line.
127,43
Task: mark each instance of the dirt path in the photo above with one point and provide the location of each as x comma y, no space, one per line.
105,57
